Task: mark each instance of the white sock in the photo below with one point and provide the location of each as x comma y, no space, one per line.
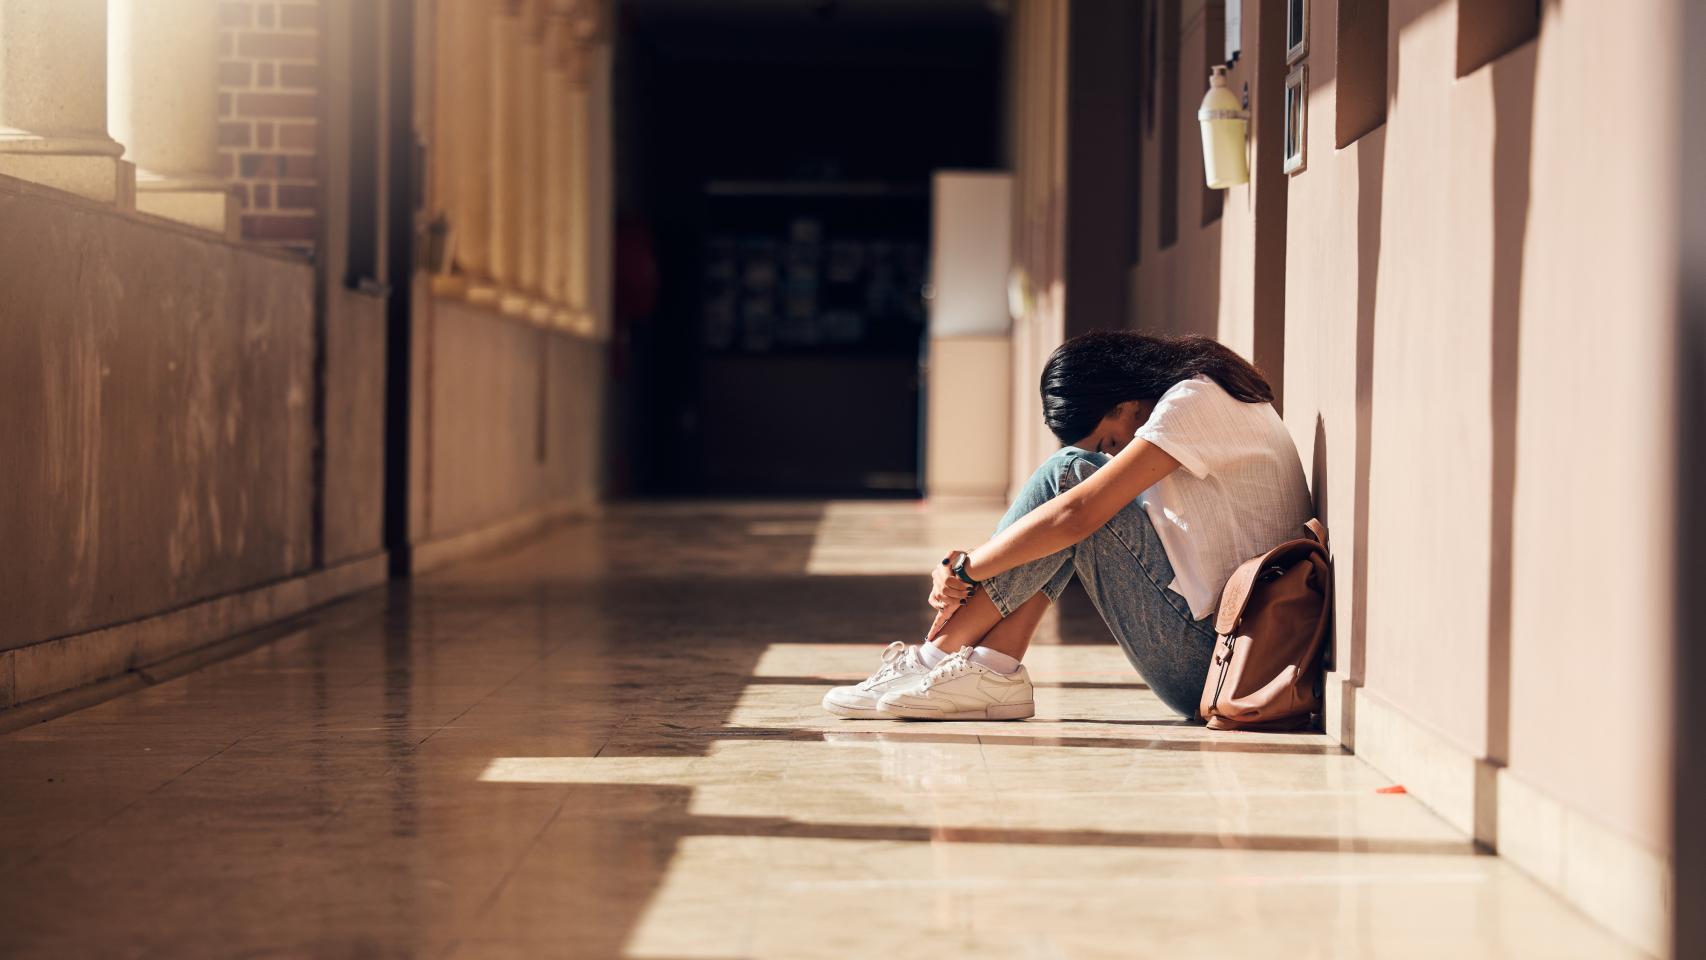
994,660
930,654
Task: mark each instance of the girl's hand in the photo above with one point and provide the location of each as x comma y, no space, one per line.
947,591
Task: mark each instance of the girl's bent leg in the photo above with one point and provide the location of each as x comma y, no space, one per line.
1048,575
1004,595
1125,570
1063,470
969,623
1012,635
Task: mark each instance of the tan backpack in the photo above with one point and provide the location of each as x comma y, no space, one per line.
1266,671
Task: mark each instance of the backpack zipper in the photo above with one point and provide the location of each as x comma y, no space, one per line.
1225,665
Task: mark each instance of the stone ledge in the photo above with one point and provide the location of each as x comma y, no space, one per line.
68,673
15,187
564,323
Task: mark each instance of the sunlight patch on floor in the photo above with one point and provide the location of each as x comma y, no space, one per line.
866,538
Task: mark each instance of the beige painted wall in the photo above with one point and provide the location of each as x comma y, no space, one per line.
1039,175
967,456
1412,235
1476,284
971,243
971,348
1176,289
511,421
1594,427
1221,278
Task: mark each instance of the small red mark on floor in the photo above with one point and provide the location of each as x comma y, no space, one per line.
1395,788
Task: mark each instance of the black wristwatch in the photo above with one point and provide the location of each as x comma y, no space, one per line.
959,569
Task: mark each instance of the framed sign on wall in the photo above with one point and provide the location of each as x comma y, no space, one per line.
1296,117
1296,30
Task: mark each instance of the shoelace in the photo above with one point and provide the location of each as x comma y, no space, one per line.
893,655
954,665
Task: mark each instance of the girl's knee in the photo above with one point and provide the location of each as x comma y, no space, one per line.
1071,466
1063,470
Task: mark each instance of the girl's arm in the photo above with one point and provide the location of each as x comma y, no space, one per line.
1075,514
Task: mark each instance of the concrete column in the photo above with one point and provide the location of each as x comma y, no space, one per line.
439,94
600,233
586,174
530,107
568,208
465,81
503,184
163,105
53,99
555,199
578,196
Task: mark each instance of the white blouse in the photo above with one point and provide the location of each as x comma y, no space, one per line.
1239,490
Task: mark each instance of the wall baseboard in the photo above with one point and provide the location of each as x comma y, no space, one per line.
1619,884
432,553
54,677
1338,709
1433,769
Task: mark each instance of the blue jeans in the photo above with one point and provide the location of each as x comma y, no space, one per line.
1125,570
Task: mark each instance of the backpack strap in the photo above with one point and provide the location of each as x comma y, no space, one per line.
1316,529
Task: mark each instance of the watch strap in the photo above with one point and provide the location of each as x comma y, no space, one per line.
959,569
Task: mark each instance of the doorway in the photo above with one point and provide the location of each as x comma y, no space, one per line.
774,162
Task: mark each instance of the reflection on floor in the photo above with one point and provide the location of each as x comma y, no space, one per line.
608,744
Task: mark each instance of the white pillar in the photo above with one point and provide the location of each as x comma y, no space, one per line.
577,193
586,202
465,81
530,109
555,199
504,144
600,235
53,99
163,105
438,94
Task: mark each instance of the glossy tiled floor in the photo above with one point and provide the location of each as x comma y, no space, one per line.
608,744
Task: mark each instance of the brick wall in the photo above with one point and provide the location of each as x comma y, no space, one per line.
269,80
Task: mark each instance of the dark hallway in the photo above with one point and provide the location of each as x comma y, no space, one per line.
779,164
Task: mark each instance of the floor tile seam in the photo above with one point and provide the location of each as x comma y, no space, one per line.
325,823
144,796
284,716
491,898
521,671
995,790
612,735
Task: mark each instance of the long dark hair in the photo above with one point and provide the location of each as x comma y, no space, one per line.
1091,374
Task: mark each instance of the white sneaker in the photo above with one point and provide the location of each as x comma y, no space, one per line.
960,688
902,669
